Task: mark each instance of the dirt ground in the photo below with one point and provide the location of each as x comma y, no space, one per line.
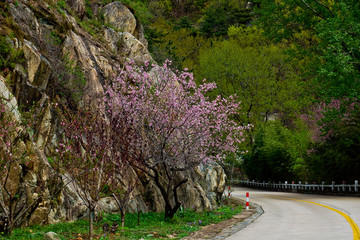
213,230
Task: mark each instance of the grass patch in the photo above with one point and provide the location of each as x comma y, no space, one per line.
152,225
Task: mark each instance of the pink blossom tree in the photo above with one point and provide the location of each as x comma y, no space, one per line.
325,117
334,152
85,156
173,125
92,154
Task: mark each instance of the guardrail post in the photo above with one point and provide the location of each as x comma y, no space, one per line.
343,186
332,185
356,185
306,183
299,184
286,185
322,186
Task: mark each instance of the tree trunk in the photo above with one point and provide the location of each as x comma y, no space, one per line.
122,219
10,228
91,211
169,211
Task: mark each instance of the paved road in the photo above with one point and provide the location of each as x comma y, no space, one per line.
293,216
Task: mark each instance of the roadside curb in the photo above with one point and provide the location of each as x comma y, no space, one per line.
241,225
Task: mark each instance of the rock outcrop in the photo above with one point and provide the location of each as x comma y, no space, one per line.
120,17
66,62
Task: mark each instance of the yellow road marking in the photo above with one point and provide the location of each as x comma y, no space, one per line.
355,228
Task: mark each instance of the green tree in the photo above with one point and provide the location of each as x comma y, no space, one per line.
219,15
332,58
257,72
182,45
335,44
334,154
278,153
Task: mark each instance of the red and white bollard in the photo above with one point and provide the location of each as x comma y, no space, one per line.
229,193
247,201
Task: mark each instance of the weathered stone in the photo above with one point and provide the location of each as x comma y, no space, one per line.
133,49
44,127
51,236
153,198
112,38
213,178
103,62
194,196
77,51
78,6
26,19
120,17
140,34
137,203
108,205
31,178
11,105
13,184
39,69
40,216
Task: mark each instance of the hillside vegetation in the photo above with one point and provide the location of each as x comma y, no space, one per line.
294,65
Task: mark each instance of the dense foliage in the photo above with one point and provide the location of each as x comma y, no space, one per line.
332,54
284,59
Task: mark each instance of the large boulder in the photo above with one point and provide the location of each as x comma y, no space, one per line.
11,105
139,34
51,236
38,67
132,48
120,17
203,190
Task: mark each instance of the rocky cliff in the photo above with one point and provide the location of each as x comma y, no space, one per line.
62,52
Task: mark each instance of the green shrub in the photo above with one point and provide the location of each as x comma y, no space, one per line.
9,56
152,225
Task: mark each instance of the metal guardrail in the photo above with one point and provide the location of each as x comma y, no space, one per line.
285,186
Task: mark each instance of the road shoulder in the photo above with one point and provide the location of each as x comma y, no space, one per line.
228,227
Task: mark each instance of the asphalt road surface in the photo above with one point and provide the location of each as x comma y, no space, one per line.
293,216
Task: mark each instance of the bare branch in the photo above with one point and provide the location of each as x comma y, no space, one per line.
324,7
313,10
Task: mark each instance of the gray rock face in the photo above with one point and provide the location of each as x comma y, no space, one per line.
206,184
139,34
11,102
26,19
38,67
78,6
133,49
120,17
77,56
